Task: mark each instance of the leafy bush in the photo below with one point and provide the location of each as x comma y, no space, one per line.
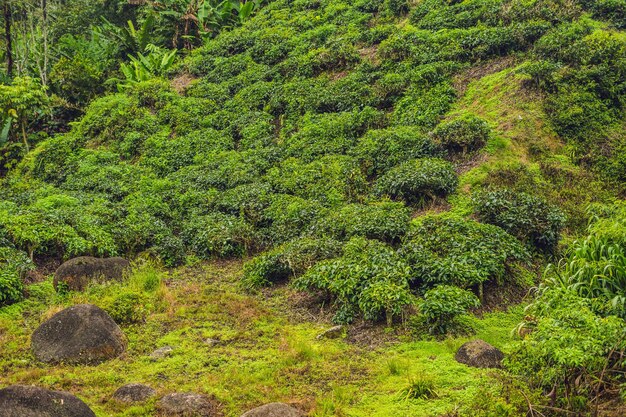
127,307
369,279
13,264
289,217
384,221
579,114
569,350
443,304
288,260
594,267
331,179
57,224
526,217
218,235
329,133
424,107
466,133
418,181
459,252
379,150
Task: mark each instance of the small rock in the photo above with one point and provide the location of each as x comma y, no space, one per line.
211,342
77,273
82,334
332,333
479,354
131,393
162,352
273,410
187,405
29,401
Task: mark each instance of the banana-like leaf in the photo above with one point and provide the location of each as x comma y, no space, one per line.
6,129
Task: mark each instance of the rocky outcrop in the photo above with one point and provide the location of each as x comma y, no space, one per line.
186,405
77,273
161,353
29,401
333,333
131,393
82,334
274,410
479,354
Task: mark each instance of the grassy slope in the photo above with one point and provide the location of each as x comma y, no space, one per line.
266,353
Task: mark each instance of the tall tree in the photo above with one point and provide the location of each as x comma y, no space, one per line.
8,38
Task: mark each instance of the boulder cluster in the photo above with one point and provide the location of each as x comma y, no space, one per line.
85,334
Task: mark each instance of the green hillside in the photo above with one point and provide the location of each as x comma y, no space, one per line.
424,172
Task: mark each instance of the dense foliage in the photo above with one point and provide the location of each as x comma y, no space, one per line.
443,304
464,253
391,157
525,216
369,279
576,330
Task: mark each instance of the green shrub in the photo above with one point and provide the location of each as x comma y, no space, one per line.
384,221
466,133
369,279
289,217
247,200
102,172
526,217
331,179
288,260
13,264
218,235
127,307
423,107
418,181
380,150
578,114
57,224
331,133
464,253
443,304
569,349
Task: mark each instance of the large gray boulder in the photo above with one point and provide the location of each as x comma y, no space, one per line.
479,354
82,334
77,273
186,405
274,410
29,401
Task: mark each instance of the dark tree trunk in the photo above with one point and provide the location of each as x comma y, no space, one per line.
8,38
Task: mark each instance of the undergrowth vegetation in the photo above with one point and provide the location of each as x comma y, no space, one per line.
401,162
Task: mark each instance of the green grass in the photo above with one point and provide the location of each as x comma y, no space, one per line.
266,352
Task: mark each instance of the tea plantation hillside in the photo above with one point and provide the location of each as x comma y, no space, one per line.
423,173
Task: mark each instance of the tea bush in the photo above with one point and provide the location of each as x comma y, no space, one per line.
13,265
568,348
127,307
443,304
464,253
466,133
218,235
380,150
385,221
369,279
289,260
526,217
418,181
